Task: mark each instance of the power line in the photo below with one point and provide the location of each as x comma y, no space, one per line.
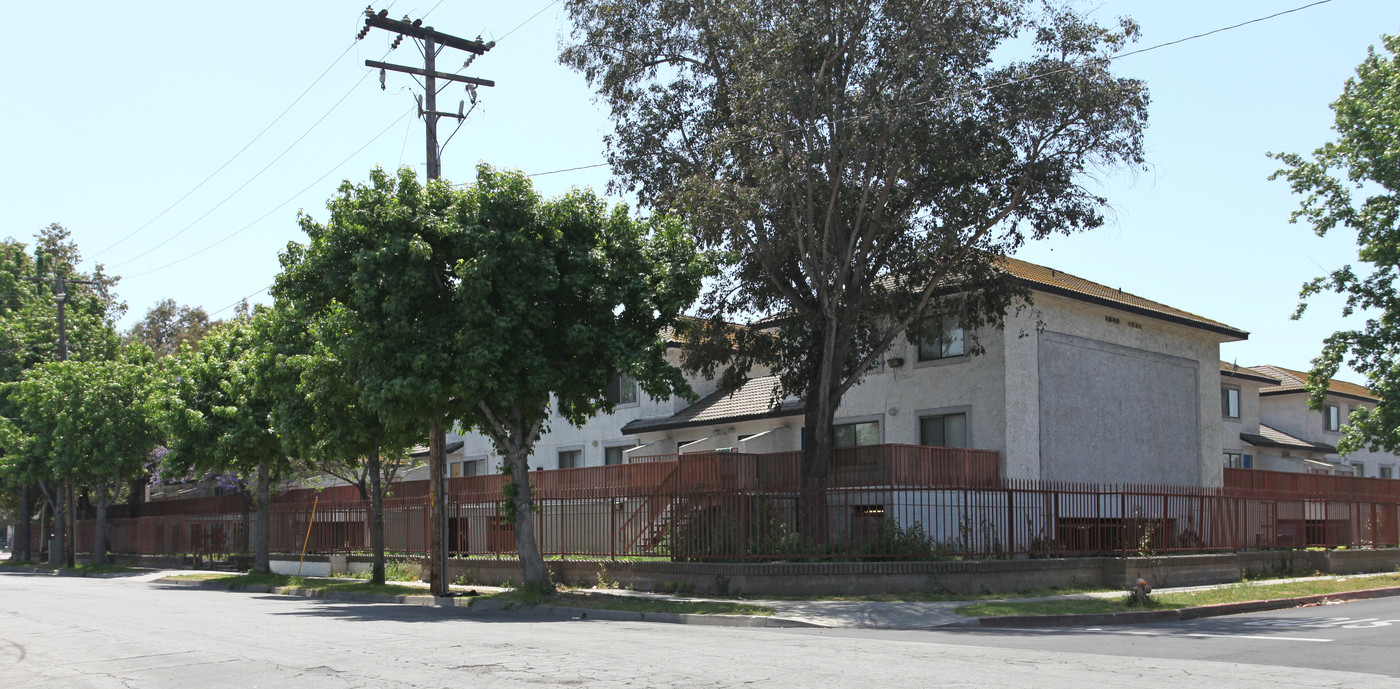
293,197
235,156
527,21
989,87
240,301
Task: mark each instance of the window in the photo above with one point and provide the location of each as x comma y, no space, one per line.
474,467
1230,402
1235,460
1387,472
946,343
1332,418
570,459
1358,470
622,390
944,430
613,455
856,434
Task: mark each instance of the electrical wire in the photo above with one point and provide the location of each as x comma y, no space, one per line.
989,87
527,21
240,301
235,156
293,197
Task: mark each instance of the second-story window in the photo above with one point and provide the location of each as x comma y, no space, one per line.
943,341
1332,417
622,390
1230,403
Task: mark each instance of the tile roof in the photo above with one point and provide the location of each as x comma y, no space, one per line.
1296,381
753,400
421,451
1233,370
1059,282
1269,436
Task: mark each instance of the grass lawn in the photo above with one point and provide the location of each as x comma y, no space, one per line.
1238,593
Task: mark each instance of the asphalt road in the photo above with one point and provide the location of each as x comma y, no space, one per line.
126,632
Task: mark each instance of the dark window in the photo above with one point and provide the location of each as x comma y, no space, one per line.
1230,403
1387,472
944,430
942,340
622,390
570,459
474,467
1332,417
857,434
613,455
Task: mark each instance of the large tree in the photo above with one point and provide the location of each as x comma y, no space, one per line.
477,305
860,166
168,325
560,297
90,422
219,416
1353,183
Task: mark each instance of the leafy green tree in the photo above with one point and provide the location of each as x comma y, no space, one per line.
90,422
559,298
851,160
320,417
476,306
219,416
1354,183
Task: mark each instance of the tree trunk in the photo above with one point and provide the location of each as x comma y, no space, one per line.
527,547
818,458
437,537
58,546
262,558
45,526
376,515
99,536
24,531
137,501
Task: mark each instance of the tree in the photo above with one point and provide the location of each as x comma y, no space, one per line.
91,423
475,306
319,416
219,417
858,166
1354,183
168,325
560,297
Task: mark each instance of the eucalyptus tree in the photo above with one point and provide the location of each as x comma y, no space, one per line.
860,166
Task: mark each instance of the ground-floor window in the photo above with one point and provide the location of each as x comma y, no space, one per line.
570,459
943,430
857,434
1236,460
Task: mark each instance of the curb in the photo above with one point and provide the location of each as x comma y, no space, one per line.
473,605
1150,616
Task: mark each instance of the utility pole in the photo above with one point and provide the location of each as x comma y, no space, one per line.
427,109
70,528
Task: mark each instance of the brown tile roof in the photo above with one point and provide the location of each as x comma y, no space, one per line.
1291,381
1233,370
1059,282
753,400
1269,436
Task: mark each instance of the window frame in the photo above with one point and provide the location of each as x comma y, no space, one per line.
559,457
878,421
623,447
947,326
1331,418
615,388
1226,393
945,415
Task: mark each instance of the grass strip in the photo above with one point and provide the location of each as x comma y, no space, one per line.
83,568
305,583
936,597
603,601
1236,593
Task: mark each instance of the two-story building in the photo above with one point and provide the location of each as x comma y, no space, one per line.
1090,383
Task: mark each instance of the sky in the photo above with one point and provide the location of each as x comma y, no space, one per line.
178,141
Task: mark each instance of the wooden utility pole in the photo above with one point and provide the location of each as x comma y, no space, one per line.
70,528
427,109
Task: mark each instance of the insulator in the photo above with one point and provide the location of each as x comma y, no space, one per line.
383,13
417,22
381,79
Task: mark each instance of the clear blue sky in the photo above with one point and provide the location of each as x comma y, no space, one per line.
113,111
